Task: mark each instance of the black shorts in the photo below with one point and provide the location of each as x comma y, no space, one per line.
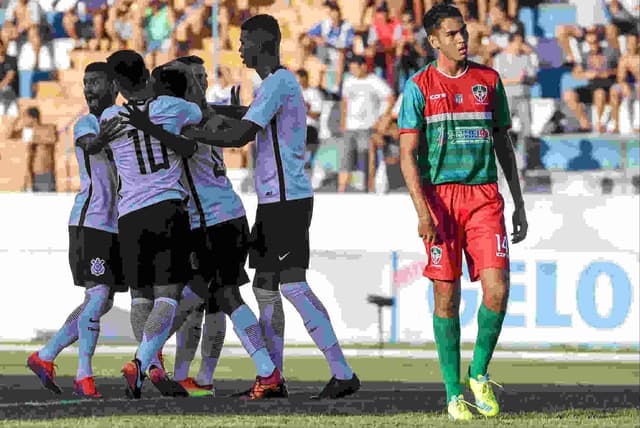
219,254
585,93
155,245
94,256
280,236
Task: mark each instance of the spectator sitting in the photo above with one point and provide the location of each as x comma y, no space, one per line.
85,23
313,101
501,28
477,30
159,22
40,140
590,17
381,43
8,84
412,50
332,38
365,99
627,84
24,21
220,92
518,70
191,21
124,24
599,67
625,19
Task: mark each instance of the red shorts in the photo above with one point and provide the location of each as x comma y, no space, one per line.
469,218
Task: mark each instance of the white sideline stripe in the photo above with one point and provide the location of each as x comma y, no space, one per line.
236,351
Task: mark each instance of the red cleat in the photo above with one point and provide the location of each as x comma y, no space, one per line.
86,387
265,387
45,371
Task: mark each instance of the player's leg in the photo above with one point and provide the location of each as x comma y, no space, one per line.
187,340
213,334
488,260
266,289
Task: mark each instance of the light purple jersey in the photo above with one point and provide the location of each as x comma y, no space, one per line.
150,172
95,204
279,110
213,199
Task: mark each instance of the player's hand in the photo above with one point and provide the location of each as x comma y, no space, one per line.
427,230
136,118
111,129
520,225
235,95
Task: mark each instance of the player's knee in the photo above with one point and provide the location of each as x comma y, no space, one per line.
291,275
171,291
267,281
142,293
228,299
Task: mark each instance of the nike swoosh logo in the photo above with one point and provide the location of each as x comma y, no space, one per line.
281,258
92,320
93,329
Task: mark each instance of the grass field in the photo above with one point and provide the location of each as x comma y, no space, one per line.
583,419
372,369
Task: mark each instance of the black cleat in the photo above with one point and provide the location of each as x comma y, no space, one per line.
167,386
337,388
134,378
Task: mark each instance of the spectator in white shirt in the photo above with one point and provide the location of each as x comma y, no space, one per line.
220,93
313,101
24,22
365,99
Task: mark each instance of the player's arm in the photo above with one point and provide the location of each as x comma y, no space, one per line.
507,159
110,129
237,134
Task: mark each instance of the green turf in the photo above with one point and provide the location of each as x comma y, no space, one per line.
368,369
618,419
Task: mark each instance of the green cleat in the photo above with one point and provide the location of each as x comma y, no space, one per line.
486,402
458,410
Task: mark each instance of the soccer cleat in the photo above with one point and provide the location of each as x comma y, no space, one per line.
458,410
134,378
167,386
46,372
483,392
281,392
338,388
86,387
196,390
161,359
264,387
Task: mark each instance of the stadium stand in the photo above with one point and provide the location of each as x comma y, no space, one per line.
54,84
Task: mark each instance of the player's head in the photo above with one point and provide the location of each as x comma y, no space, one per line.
198,79
259,40
303,77
31,117
335,14
99,89
169,81
447,31
358,66
129,72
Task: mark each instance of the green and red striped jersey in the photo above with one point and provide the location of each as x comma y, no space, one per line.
458,116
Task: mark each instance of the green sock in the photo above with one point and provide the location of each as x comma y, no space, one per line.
447,334
489,327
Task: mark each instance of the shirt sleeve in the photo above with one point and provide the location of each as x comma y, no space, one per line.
268,101
411,117
345,40
316,101
87,125
501,114
316,30
191,114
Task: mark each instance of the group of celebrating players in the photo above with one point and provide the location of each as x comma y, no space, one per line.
176,233
156,212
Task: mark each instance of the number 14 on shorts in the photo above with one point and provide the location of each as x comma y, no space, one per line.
502,245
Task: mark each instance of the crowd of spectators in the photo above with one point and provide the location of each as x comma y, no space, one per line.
363,65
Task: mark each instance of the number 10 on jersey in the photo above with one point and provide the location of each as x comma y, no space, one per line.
134,135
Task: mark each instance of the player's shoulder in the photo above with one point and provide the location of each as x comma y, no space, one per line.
483,71
110,112
86,124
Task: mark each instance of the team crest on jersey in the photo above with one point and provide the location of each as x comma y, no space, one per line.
479,93
458,98
97,267
436,255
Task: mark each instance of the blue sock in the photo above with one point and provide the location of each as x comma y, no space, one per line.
187,339
317,322
245,324
89,327
156,330
67,335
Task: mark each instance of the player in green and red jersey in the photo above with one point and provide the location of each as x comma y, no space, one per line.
455,113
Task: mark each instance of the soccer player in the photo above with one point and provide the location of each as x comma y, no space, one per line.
94,254
220,235
461,108
153,218
280,236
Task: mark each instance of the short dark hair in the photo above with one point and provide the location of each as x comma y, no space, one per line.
266,24
99,67
438,13
129,69
358,59
302,73
33,112
169,81
191,59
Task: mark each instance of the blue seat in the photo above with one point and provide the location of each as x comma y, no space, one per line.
549,80
552,15
536,91
1,17
528,18
549,53
27,78
55,21
568,82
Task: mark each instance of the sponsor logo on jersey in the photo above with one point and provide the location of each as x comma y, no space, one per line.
436,255
480,93
470,135
437,96
97,267
458,98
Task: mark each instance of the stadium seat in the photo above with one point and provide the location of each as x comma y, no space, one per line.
27,78
549,79
536,91
552,15
55,21
527,16
567,82
549,53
